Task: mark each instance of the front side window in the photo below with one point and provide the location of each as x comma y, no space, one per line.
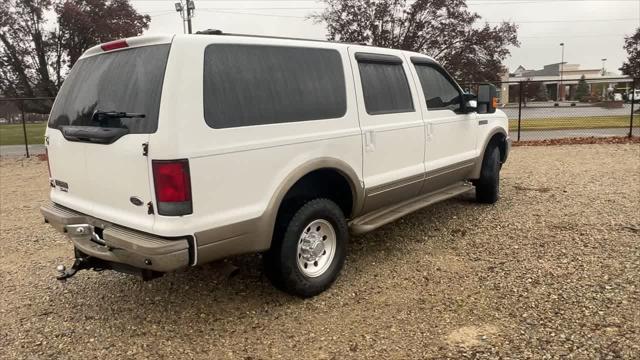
385,87
248,85
439,92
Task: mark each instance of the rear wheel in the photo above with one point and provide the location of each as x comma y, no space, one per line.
488,185
308,248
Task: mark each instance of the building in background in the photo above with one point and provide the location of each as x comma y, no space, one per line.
546,82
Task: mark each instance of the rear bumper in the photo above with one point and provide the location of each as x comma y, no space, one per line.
118,244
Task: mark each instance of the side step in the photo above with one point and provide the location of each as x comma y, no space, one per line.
385,215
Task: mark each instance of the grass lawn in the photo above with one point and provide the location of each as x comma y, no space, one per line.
596,122
12,134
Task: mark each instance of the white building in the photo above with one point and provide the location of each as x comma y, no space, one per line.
559,79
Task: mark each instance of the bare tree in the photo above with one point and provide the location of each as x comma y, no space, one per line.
443,29
33,61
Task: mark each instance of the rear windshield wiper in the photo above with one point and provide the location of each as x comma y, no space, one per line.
100,115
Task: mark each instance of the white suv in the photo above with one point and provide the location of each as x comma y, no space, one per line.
174,151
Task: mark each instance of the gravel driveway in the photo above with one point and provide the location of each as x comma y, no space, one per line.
552,270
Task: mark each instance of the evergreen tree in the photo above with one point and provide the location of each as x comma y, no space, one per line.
542,94
583,88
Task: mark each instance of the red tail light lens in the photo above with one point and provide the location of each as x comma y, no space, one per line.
113,45
172,183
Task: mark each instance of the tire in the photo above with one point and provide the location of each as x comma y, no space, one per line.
308,248
488,185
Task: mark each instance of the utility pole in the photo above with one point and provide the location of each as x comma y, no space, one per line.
186,13
561,89
190,7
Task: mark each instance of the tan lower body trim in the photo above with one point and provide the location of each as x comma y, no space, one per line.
233,239
392,192
445,176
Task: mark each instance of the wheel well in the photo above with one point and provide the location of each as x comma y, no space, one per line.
498,140
322,183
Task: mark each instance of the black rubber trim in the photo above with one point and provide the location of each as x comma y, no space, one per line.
378,58
423,60
93,134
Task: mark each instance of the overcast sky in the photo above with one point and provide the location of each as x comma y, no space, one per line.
591,30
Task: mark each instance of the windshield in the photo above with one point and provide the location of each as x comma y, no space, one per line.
127,81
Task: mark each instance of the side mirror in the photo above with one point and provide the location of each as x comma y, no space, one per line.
470,102
487,99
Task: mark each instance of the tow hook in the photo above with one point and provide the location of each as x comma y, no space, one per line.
80,263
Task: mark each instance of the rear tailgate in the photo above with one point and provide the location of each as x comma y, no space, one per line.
95,148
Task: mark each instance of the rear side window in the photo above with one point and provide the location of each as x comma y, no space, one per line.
439,92
385,87
254,85
122,81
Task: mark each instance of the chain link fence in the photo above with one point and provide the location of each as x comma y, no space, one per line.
22,125
548,110
537,110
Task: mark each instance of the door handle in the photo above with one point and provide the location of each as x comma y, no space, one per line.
369,140
429,131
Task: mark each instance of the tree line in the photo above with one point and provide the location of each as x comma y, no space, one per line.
35,56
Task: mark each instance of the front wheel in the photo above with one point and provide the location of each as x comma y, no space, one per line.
488,185
308,249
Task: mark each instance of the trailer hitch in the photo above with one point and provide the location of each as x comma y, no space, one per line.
80,263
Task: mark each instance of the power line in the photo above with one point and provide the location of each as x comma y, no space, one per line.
536,1
263,8
240,11
253,14
475,1
557,21
572,36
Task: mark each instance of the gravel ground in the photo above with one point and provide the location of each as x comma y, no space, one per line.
551,271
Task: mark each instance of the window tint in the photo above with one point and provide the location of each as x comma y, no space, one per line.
385,88
254,85
125,81
439,92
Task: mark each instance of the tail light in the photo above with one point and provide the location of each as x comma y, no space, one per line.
172,183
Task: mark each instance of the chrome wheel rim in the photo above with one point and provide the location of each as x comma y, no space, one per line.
316,248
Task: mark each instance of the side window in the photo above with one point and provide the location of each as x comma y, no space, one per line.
248,85
439,92
384,86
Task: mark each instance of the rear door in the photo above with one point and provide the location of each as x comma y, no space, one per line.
95,148
392,126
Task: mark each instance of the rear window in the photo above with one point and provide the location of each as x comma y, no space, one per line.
123,81
255,84
385,88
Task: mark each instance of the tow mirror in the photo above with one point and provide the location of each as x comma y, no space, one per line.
470,102
487,99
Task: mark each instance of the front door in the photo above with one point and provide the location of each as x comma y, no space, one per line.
392,126
451,132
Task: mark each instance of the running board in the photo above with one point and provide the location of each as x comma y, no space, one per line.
385,215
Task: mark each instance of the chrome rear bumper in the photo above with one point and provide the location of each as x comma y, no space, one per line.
113,243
